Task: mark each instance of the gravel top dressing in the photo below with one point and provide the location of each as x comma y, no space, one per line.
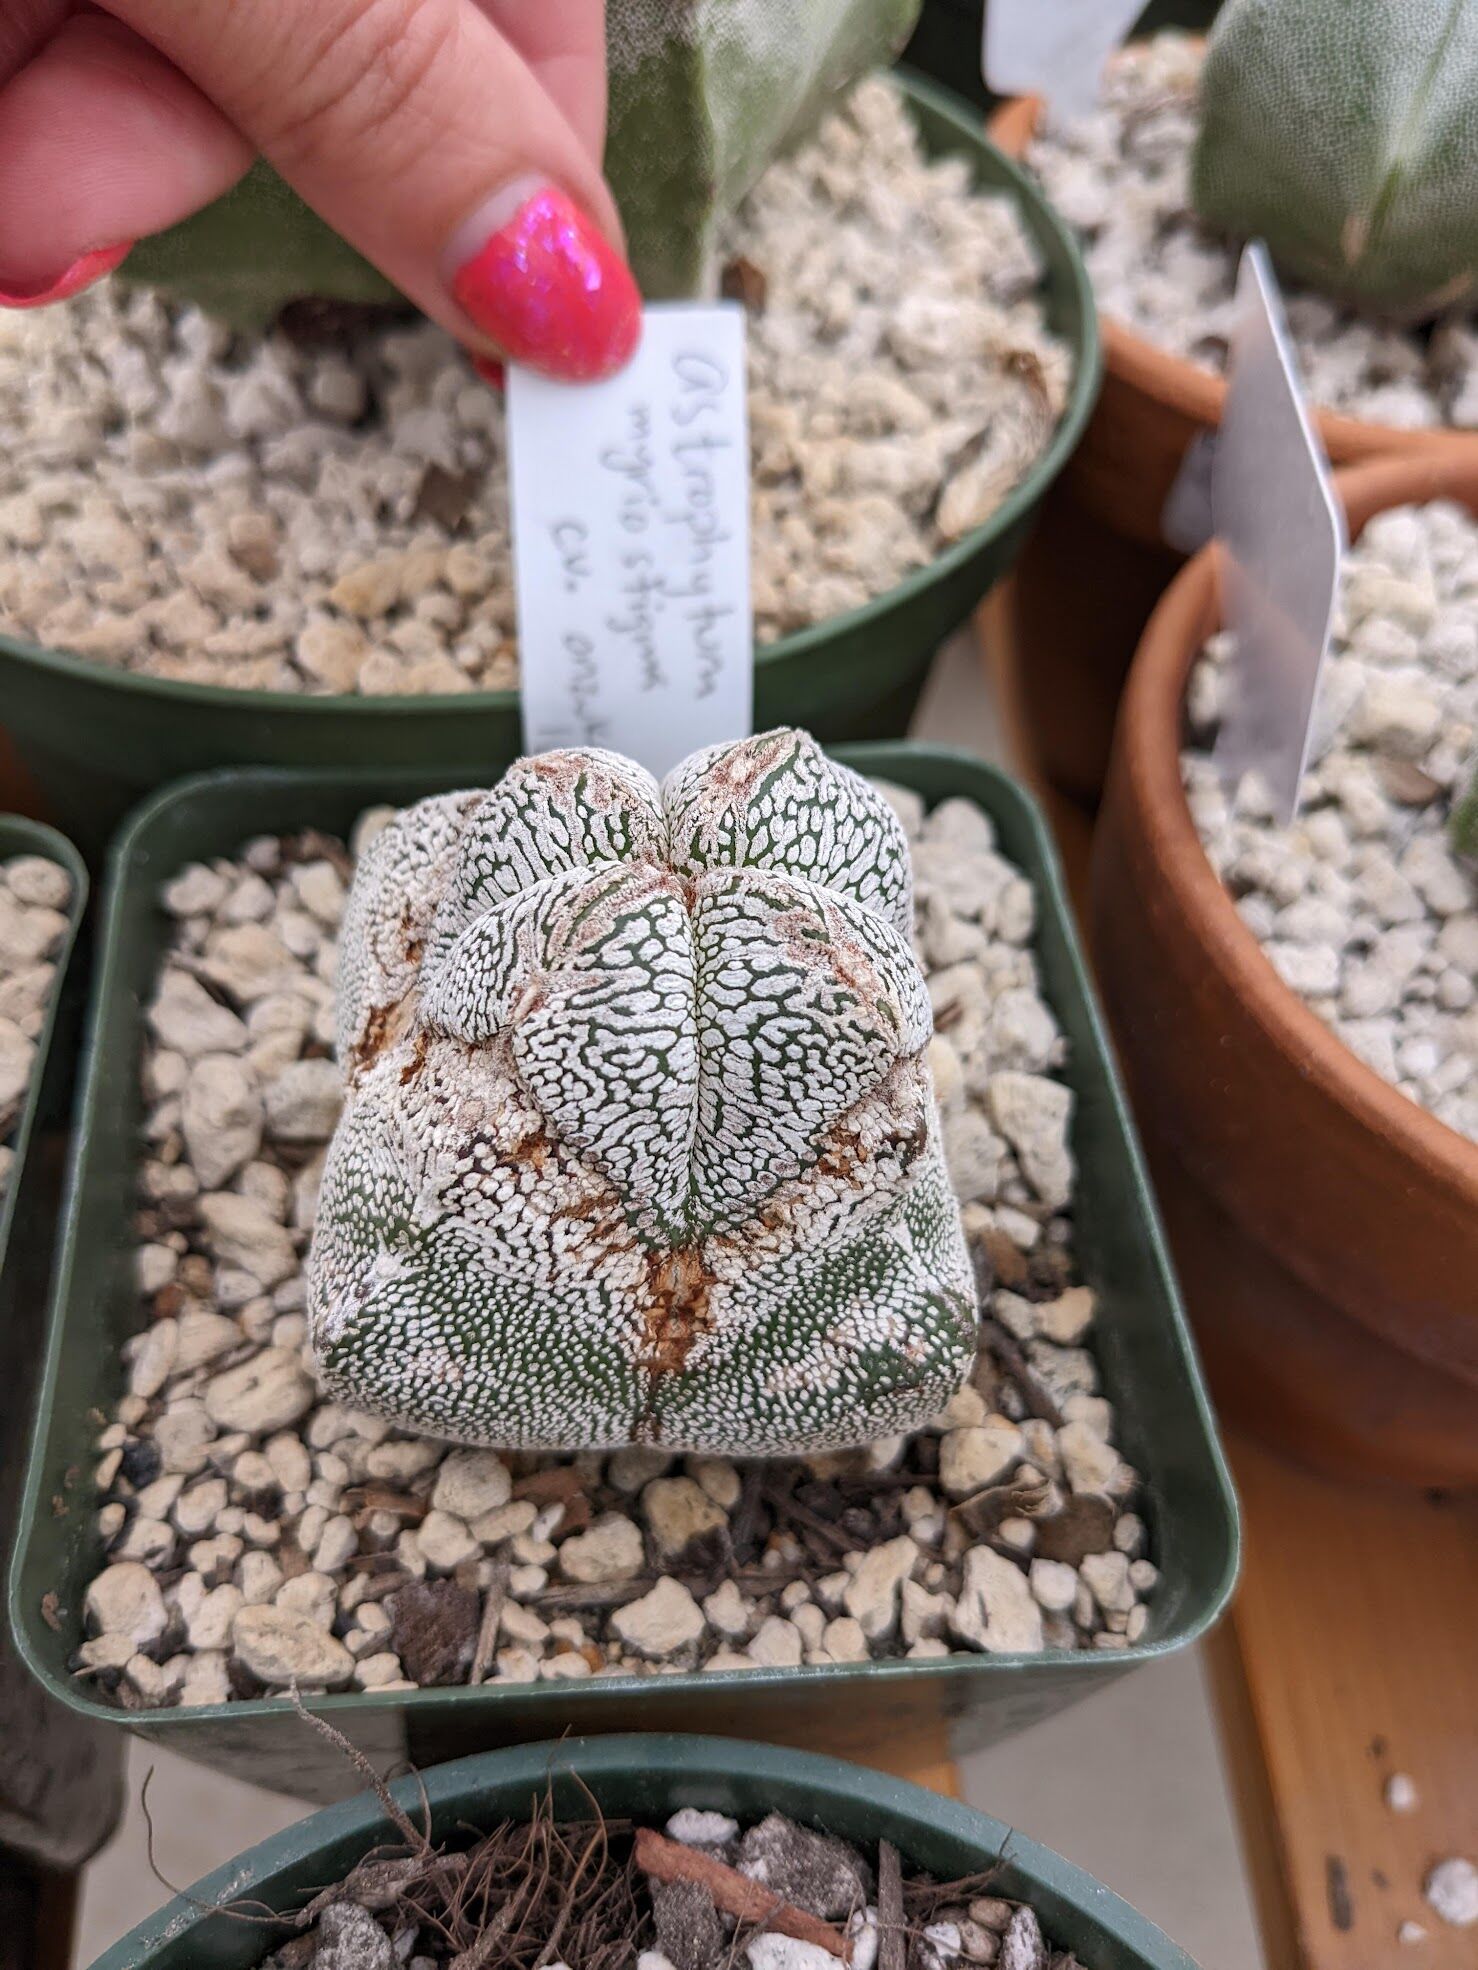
1361,904
332,516
698,1894
34,895
258,1536
1121,176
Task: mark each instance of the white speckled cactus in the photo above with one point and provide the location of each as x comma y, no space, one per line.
639,1143
703,93
1345,134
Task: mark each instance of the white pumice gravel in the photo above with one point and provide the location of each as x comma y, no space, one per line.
1121,176
255,1534
1361,904
34,898
273,516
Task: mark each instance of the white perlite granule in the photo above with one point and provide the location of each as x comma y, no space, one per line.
1361,904
271,516
255,1534
34,895
1121,176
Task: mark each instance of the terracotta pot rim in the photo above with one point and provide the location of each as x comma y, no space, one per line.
1150,727
1188,390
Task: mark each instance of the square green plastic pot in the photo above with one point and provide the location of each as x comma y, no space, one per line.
60,1774
96,739
1149,1368
648,1779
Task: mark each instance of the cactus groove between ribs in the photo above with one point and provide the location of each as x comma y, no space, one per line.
639,1143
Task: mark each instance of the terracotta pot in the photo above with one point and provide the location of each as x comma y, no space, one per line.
1325,1226
1104,522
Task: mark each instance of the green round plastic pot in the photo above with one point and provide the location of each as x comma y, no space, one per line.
647,1778
1146,1361
96,738
61,1782
946,42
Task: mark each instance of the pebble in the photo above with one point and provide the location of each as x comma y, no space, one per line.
125,1600
1120,174
902,379
1400,1793
661,1624
238,1473
694,1826
1382,941
995,1610
1451,1889
610,1550
281,1647
470,1483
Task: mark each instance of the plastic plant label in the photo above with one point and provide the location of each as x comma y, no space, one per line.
630,519
1185,518
1282,537
1055,49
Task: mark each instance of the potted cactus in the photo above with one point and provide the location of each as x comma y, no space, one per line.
678,1032
648,1313
765,1854
294,544
1343,1004
1345,136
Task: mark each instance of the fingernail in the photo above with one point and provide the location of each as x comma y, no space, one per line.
534,274
84,270
492,371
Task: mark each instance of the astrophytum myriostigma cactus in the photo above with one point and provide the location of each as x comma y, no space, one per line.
639,1143
703,93
1345,134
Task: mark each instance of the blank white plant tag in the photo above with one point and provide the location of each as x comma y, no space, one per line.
1053,48
1282,535
630,520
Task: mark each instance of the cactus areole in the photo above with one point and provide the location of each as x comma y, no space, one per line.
1345,134
639,1143
703,93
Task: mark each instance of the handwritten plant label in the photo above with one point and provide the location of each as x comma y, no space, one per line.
1055,49
1282,536
631,545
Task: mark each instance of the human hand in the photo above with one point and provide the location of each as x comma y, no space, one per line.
455,143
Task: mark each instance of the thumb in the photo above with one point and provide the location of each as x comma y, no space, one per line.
419,132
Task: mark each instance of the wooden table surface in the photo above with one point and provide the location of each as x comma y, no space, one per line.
1351,1651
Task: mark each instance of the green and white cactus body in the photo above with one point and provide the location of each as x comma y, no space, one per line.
703,93
1345,134
639,1144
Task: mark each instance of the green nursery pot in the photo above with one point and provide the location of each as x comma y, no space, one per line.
95,739
60,1776
1147,1358
649,1778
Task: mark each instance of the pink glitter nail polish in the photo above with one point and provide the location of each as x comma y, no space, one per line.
549,288
84,270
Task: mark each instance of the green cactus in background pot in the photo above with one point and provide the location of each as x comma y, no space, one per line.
703,93
1345,134
639,1143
